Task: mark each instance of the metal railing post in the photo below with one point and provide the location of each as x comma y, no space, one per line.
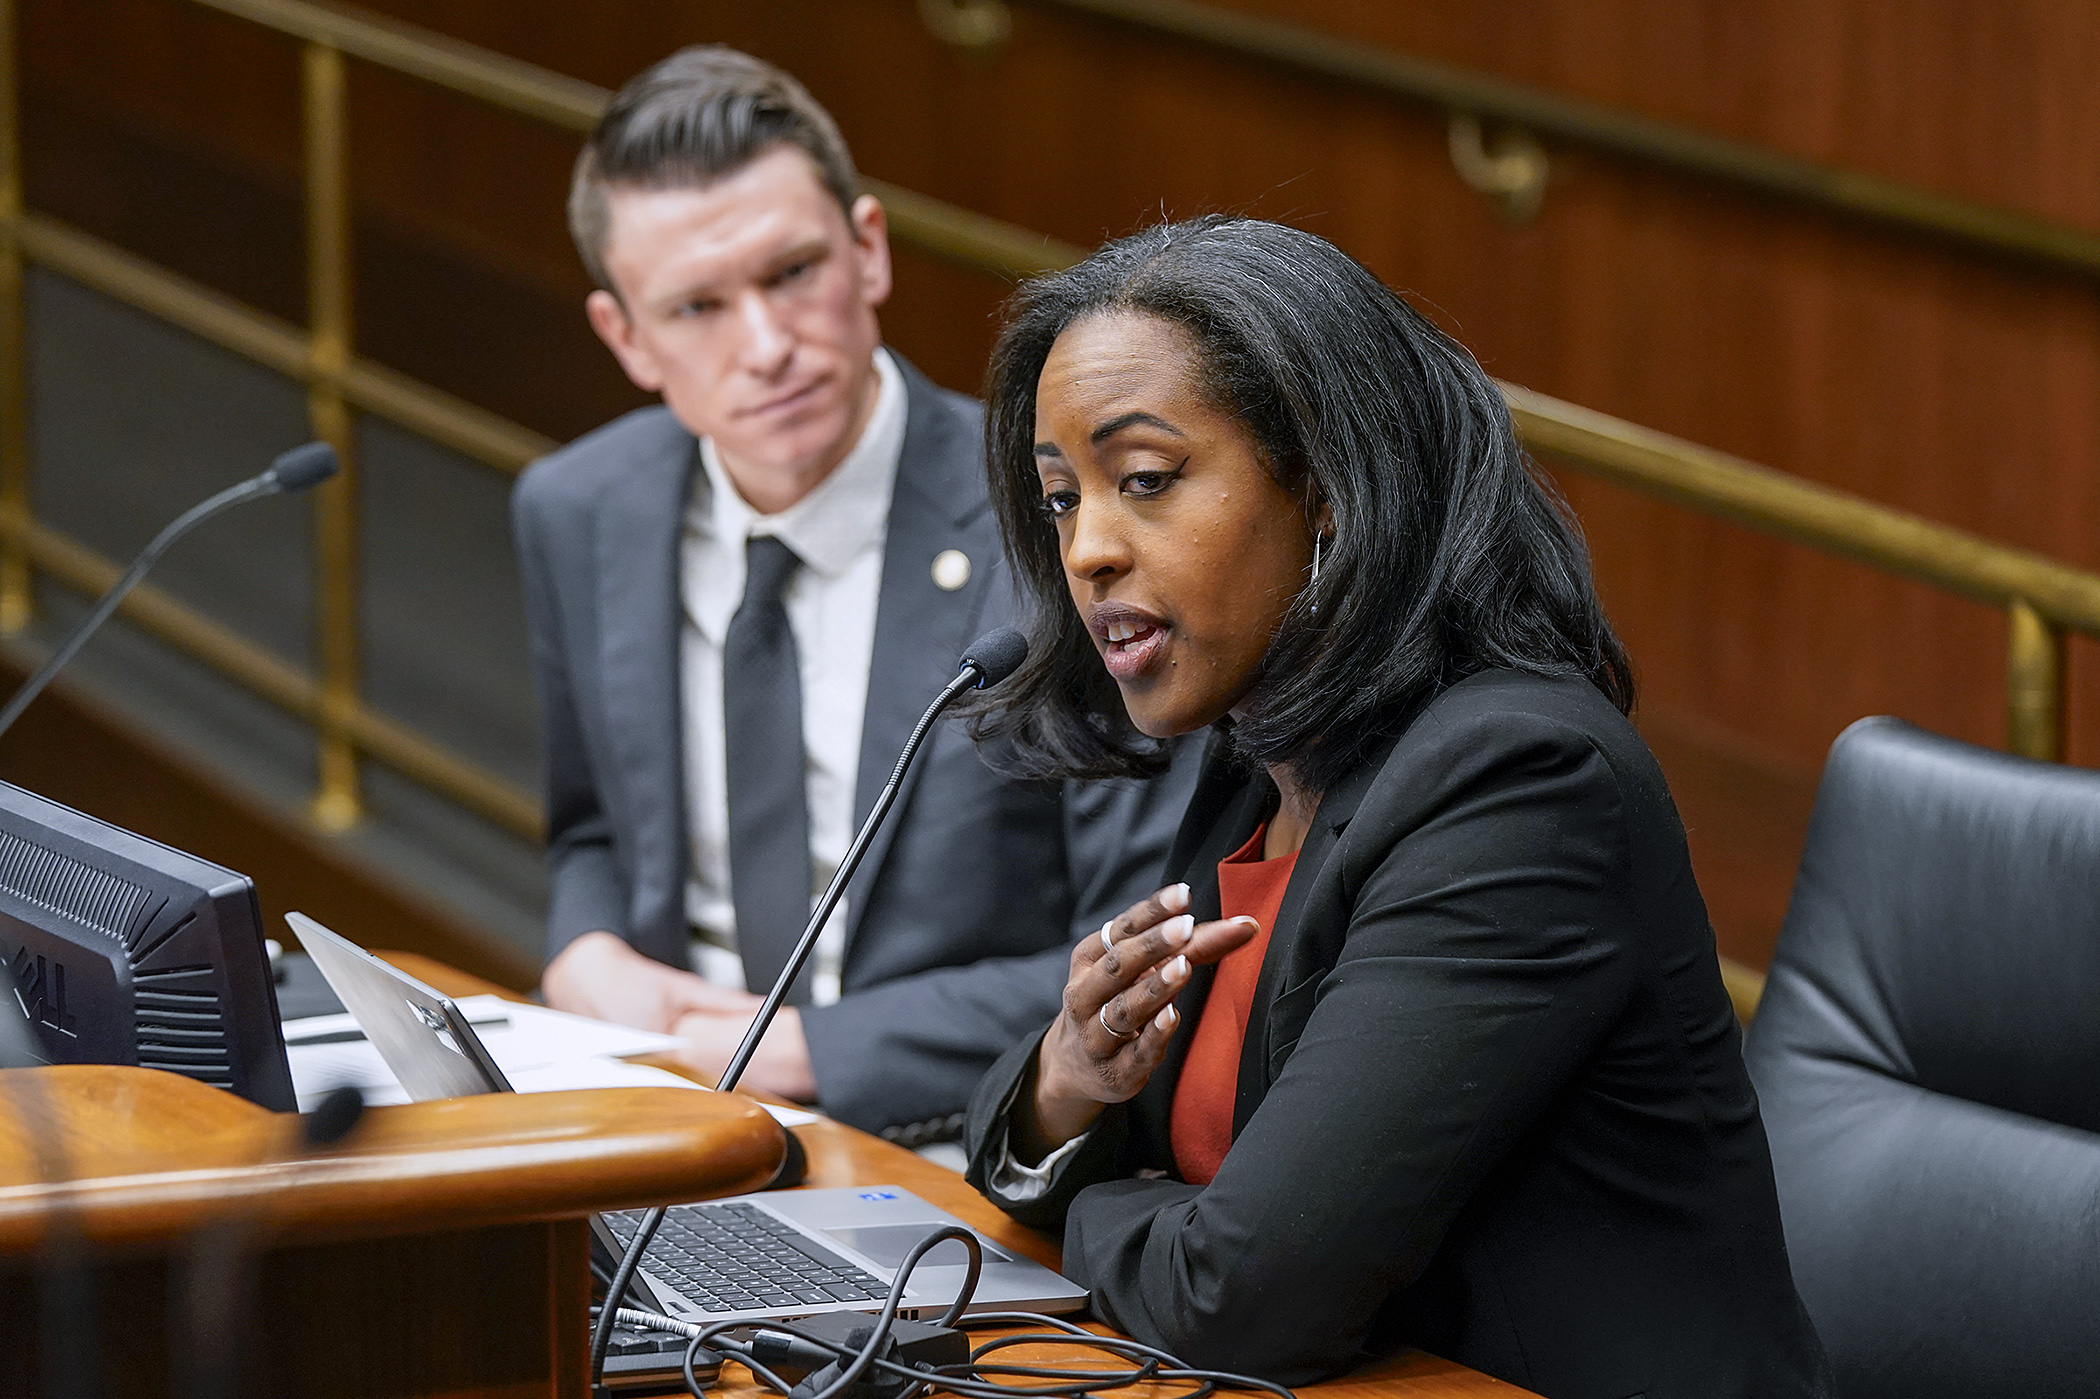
2034,684
338,801
16,600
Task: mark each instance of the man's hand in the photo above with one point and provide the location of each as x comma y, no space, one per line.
781,1065
599,975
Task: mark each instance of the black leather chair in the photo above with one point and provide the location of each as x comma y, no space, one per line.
1927,1056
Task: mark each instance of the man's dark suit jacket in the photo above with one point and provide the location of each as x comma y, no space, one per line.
1491,1103
962,917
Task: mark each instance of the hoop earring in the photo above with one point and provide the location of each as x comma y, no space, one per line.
1315,584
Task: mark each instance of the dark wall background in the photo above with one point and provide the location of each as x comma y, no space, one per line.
1963,388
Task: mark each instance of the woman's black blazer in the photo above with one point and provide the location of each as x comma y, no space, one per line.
1492,1101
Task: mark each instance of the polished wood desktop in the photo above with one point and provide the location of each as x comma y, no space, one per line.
841,1155
439,1249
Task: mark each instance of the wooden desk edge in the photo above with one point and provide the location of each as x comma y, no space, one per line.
148,1155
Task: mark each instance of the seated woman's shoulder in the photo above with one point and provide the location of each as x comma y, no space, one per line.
1498,727
1531,707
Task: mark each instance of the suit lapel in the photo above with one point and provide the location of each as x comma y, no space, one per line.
640,520
1285,953
920,628
1228,805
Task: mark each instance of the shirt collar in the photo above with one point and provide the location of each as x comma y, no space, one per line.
849,510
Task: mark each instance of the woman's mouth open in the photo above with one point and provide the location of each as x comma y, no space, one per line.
1131,645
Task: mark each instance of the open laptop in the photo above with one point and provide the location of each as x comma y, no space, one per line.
772,1256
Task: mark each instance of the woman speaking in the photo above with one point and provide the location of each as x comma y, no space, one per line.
1431,1047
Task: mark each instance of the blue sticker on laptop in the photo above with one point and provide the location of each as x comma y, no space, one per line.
872,1195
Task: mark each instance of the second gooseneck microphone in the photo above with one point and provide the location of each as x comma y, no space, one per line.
989,660
290,473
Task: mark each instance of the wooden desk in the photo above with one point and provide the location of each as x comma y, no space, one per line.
841,1155
441,1249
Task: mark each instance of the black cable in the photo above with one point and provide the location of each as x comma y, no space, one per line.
881,1334
745,1357
868,1353
1155,1366
742,1354
969,1383
1173,1366
976,1319
1231,1381
1151,1369
967,1293
616,1292
1138,1376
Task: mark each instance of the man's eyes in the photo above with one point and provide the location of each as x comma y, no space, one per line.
790,275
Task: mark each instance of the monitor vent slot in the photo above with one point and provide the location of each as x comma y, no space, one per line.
140,954
67,887
180,1027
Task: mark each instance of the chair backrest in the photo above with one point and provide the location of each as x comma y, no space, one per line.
1927,1057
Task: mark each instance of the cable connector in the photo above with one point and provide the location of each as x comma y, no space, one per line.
910,1343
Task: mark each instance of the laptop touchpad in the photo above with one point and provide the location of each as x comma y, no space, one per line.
887,1245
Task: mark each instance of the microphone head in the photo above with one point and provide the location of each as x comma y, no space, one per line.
302,467
996,655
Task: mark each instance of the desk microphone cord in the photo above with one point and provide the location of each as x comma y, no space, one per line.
969,1380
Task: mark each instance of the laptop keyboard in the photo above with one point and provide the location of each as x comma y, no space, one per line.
737,1258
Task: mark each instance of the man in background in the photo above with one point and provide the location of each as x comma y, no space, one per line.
741,601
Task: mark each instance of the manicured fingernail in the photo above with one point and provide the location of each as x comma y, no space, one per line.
1249,922
1167,1018
1178,930
1175,972
1174,898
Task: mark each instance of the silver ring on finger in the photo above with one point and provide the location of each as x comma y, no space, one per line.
1118,1035
1107,941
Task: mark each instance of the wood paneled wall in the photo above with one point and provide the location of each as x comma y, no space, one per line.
1961,387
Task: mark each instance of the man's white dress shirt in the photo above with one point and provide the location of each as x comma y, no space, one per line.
837,530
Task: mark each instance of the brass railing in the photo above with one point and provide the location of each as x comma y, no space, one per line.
1468,98
339,383
2041,597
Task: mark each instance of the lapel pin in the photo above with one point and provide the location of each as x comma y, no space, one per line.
951,569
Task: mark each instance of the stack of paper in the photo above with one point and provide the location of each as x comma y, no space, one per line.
539,1051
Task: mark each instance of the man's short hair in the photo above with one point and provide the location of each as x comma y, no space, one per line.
700,115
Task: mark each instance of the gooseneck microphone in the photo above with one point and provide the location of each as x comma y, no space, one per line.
292,472
989,660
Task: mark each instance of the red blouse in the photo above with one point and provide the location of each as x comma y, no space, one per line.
1200,1125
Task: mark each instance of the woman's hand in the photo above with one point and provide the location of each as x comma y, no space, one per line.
1118,1015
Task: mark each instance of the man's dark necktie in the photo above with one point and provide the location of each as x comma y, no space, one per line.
769,870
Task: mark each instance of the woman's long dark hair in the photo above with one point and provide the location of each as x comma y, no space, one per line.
1449,555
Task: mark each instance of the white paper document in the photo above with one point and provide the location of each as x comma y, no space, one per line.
539,1051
